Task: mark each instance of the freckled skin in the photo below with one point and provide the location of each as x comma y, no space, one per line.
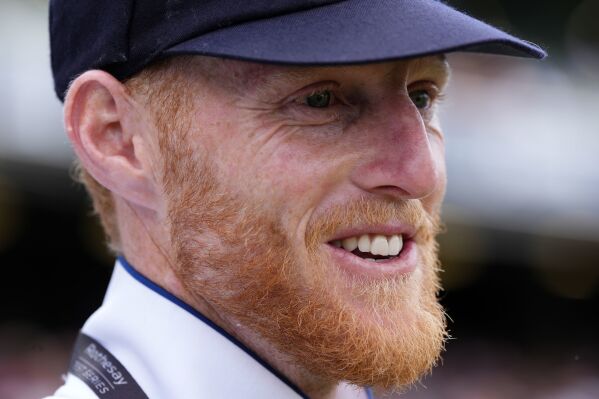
298,160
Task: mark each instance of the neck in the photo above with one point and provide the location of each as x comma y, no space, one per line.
309,384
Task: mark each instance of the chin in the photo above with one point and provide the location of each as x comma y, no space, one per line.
384,332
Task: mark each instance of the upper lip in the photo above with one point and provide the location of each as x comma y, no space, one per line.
406,230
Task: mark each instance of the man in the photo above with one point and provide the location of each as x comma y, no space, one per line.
270,175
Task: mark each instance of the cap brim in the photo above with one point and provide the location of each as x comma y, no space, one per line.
355,31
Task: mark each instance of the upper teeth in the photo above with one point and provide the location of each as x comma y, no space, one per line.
376,244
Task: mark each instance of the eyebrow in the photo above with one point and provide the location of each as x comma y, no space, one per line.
437,65
289,75
292,74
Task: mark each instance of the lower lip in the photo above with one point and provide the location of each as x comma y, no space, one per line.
405,263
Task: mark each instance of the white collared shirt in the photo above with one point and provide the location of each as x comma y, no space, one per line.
171,350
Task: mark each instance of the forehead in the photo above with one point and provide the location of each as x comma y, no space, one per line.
247,75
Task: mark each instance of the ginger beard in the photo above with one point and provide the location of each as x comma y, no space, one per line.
234,254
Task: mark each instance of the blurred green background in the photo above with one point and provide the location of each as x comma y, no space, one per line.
521,251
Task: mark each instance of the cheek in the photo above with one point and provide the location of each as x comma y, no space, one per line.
281,159
297,177
292,178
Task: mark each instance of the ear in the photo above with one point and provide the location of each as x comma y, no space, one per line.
111,138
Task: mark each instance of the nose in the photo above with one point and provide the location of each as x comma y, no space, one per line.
399,160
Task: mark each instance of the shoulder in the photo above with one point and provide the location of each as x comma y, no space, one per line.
73,388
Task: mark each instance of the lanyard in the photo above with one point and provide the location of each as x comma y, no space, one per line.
93,364
102,372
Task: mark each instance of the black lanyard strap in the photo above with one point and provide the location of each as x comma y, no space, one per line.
102,372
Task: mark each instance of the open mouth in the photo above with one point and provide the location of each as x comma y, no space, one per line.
372,247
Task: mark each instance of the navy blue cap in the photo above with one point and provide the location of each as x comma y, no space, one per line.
123,36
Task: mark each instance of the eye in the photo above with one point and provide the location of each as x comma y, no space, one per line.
319,99
421,99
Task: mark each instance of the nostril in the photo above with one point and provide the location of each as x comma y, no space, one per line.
391,190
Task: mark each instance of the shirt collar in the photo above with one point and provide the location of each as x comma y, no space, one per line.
172,350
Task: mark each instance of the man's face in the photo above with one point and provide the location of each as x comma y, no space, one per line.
273,176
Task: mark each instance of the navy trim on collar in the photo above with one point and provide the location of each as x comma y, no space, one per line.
167,295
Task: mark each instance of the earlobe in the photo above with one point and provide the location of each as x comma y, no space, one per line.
108,137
